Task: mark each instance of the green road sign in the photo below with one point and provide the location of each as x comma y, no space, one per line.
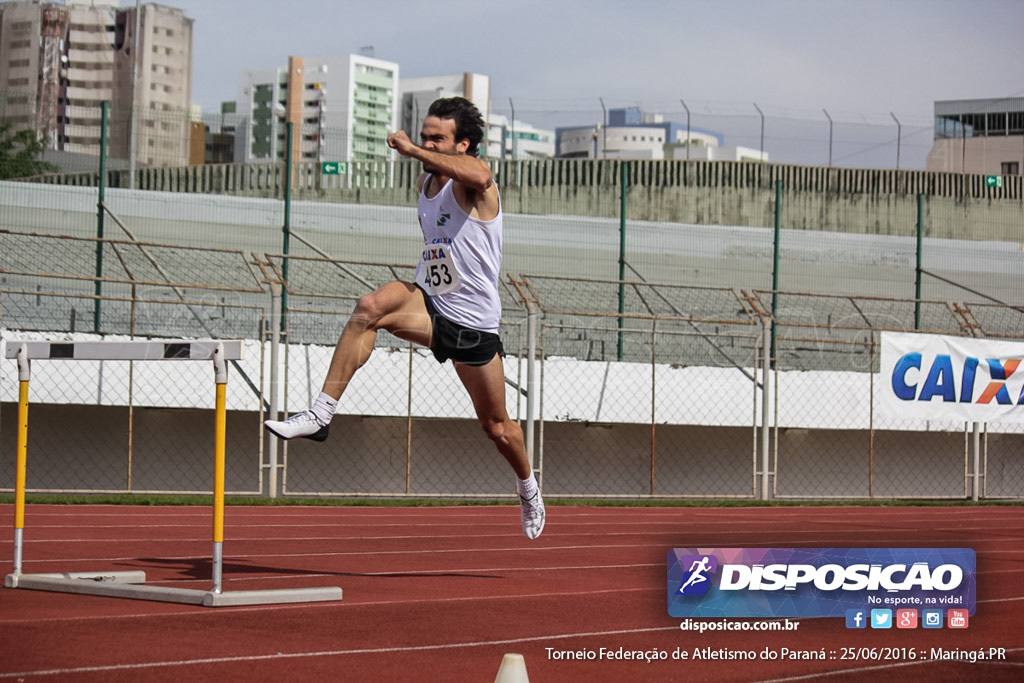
334,168
993,181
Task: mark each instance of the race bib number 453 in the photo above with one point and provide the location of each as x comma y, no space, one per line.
436,271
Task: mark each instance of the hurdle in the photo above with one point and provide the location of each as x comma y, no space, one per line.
131,584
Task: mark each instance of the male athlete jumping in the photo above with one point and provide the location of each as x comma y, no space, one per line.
453,307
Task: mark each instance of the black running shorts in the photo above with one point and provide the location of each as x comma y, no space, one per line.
459,343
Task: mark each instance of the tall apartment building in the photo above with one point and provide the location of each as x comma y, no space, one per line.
60,62
418,93
341,109
33,64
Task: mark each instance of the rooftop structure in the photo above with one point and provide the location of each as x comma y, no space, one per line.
978,136
630,134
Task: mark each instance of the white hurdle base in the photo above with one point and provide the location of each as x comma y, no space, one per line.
276,596
131,585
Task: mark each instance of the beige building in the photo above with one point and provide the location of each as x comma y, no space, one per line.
32,44
60,62
978,136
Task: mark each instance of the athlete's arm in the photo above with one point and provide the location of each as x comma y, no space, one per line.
474,173
482,204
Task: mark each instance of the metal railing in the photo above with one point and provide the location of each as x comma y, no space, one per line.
683,392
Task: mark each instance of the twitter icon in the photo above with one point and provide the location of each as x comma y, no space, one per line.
881,618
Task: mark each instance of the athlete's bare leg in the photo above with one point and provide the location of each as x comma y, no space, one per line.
397,307
486,386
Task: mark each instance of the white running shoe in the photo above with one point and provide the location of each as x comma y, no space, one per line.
533,515
304,424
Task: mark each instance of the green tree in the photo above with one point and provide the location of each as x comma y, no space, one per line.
20,152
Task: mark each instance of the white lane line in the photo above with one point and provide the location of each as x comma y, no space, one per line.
237,556
881,667
335,605
692,538
332,653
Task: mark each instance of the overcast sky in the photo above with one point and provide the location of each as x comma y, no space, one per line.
858,59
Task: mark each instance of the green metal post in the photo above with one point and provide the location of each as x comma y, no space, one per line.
624,184
917,272
97,314
776,249
287,229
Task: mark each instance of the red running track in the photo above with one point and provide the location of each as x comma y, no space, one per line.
441,593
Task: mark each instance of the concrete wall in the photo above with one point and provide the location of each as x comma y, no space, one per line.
873,262
172,450
861,201
982,155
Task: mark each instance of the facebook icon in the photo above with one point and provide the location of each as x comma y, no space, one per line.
856,618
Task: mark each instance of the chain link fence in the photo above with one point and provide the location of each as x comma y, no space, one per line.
174,137
662,341
672,397
654,402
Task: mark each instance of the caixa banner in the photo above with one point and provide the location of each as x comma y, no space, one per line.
934,377
817,582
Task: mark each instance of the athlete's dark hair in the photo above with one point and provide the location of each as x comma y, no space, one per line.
469,125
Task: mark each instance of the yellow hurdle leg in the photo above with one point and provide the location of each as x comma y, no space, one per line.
19,496
218,467
220,432
19,486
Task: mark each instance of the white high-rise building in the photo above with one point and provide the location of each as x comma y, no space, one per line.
418,93
341,109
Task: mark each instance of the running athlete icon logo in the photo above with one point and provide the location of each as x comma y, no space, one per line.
695,581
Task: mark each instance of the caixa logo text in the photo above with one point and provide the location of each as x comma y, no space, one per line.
831,577
954,381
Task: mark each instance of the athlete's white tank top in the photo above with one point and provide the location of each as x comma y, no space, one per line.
461,260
